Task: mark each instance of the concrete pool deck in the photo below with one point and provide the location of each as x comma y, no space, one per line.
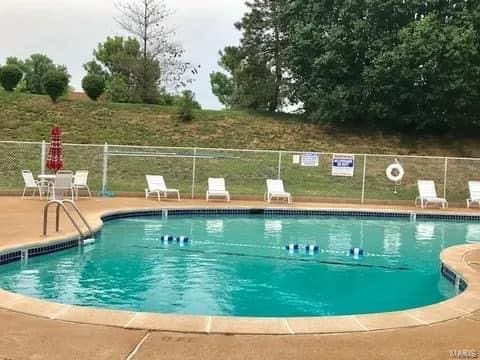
28,329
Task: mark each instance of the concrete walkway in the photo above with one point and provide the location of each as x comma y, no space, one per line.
27,337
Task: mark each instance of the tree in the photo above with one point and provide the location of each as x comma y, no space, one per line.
10,76
35,68
93,85
257,67
224,86
430,80
263,40
187,104
122,58
12,60
94,68
146,21
251,83
55,82
115,56
118,90
413,65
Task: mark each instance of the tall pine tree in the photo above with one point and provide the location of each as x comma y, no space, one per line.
257,80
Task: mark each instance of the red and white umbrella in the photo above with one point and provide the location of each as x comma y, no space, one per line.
55,158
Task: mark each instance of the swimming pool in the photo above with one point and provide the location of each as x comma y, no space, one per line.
238,265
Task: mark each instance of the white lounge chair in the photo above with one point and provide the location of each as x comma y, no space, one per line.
216,188
275,189
156,185
61,186
474,188
428,194
31,183
80,182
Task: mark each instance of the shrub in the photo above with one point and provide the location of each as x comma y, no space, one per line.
187,104
55,83
117,90
93,85
165,98
10,76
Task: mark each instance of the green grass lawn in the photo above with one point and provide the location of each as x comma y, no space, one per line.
27,117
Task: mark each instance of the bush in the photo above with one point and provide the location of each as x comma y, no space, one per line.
166,99
10,76
117,90
55,83
187,104
94,86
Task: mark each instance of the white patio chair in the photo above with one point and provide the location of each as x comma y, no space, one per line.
474,189
216,188
427,194
63,184
31,183
156,185
80,182
275,189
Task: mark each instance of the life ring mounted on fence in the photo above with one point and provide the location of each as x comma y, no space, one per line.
395,172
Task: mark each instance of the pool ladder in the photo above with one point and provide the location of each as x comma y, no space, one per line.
61,204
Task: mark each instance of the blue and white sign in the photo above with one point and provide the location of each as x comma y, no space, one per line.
343,164
310,159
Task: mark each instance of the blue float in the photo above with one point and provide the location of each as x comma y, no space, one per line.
312,248
292,247
356,252
166,238
182,239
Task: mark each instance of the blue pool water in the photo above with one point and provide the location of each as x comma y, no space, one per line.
237,265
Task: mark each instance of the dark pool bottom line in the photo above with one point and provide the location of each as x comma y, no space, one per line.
257,256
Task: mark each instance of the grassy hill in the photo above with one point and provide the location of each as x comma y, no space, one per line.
30,117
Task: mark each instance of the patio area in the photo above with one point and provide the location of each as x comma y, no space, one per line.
25,336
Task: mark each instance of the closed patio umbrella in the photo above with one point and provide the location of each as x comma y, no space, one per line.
55,158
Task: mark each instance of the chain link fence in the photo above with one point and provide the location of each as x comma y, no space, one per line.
122,169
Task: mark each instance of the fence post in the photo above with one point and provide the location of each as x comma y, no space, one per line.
279,173
105,169
193,171
445,179
43,157
363,179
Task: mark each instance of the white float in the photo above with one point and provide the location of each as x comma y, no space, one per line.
395,173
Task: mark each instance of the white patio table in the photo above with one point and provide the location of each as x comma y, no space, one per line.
45,179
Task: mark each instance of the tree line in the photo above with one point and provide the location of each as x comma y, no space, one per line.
410,65
147,66
37,75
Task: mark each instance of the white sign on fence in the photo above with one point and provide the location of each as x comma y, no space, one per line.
310,159
343,164
296,159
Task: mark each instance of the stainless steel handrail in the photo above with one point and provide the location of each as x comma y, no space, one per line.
80,215
60,204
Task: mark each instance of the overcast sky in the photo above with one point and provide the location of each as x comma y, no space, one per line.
68,31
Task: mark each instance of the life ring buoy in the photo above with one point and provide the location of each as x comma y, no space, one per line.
395,172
